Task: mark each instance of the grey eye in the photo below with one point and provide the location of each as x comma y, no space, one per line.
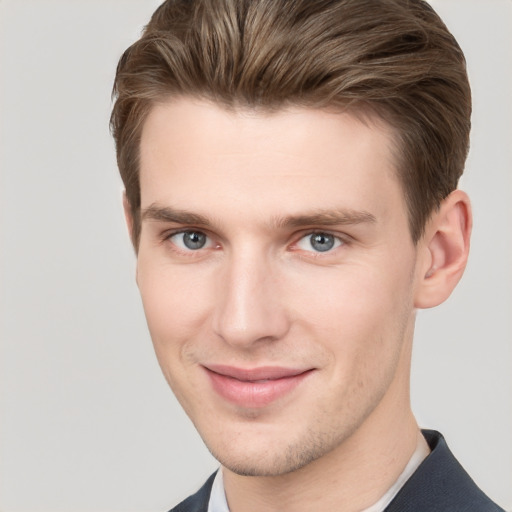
190,240
319,242
322,242
194,240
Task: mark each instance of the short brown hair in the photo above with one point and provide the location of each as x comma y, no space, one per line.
393,58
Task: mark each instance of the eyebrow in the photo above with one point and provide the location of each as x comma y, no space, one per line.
319,217
167,214
327,218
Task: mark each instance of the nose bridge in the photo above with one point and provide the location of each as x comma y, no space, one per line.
249,309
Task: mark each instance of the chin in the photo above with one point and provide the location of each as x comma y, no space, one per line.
281,459
266,466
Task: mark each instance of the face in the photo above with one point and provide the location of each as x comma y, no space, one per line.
277,273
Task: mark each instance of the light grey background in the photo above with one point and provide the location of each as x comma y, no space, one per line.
87,421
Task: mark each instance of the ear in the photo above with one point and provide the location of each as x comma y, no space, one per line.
443,250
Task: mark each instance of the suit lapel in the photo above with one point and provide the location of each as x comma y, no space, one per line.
198,502
440,484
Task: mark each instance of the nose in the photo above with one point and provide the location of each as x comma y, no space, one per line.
250,309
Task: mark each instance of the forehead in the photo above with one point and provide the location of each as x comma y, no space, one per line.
197,154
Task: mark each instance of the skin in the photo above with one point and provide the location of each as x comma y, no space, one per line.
259,294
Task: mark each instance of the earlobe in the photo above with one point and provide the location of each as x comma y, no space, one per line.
445,248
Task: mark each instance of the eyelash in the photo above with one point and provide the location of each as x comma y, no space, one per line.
166,238
340,240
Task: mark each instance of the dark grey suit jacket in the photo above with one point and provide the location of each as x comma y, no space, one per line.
440,484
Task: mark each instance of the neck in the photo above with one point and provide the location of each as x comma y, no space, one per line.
353,476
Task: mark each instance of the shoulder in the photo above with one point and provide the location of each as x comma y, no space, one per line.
441,483
198,502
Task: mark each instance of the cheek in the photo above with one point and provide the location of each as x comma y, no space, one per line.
174,303
345,300
359,314
175,311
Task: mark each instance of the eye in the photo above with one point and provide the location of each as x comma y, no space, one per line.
191,240
319,242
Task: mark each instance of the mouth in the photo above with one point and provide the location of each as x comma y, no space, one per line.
255,387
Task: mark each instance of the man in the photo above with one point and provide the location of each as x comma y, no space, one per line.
291,173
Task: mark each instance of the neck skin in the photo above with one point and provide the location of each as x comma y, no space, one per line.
350,478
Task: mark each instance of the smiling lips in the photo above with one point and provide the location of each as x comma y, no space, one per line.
256,387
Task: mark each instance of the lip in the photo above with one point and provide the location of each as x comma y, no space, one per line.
254,387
